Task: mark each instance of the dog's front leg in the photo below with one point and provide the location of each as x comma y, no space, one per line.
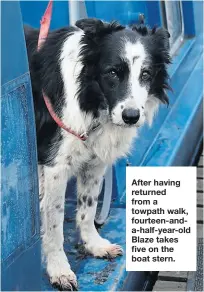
53,184
88,184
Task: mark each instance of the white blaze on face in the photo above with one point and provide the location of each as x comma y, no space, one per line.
136,55
147,104
137,95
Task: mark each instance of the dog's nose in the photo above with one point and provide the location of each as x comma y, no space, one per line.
130,116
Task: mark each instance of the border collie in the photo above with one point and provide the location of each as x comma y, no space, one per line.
102,79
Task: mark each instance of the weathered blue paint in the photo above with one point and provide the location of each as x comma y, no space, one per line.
20,244
96,274
13,68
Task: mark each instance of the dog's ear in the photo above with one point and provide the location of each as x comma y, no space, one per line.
97,28
159,44
161,36
90,25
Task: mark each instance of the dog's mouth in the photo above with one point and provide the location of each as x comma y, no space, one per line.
126,126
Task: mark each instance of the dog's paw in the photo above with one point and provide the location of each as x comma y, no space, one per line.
60,273
66,282
104,249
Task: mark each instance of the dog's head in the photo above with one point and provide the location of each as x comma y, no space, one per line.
124,71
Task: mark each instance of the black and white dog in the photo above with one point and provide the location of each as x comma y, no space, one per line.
102,79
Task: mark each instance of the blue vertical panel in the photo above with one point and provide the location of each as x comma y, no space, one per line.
124,11
32,12
153,16
188,15
20,236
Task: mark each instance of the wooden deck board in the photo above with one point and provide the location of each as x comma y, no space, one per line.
177,281
192,275
199,172
199,214
199,199
200,185
199,230
169,286
173,274
200,163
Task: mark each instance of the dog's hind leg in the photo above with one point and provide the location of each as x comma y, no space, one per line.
88,184
53,184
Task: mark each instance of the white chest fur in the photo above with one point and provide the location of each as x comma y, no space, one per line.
107,143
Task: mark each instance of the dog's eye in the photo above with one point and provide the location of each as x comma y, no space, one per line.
113,73
146,75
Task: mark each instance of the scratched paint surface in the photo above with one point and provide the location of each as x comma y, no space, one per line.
20,242
94,274
18,203
19,185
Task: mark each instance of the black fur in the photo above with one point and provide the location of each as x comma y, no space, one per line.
100,42
99,90
46,76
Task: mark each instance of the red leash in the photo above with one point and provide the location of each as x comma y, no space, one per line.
45,24
44,29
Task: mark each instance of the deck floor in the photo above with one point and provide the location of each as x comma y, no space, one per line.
188,281
103,275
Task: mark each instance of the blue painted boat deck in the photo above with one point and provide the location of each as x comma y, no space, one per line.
94,273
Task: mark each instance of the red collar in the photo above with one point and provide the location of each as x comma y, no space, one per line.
44,29
83,136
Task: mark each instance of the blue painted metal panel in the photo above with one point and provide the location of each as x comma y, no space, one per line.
15,67
32,12
188,15
153,16
20,243
124,11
